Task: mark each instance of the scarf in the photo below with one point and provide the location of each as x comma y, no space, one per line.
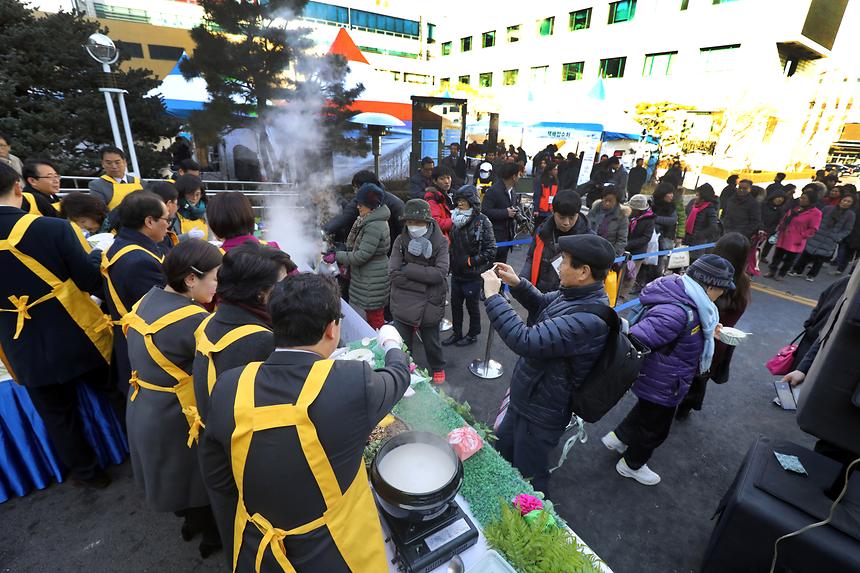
257,310
634,222
353,232
460,218
694,212
193,212
709,316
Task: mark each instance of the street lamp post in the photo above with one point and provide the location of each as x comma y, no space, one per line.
103,50
377,125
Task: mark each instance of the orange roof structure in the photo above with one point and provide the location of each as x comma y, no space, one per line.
344,46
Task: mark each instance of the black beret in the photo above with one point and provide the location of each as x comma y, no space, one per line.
593,250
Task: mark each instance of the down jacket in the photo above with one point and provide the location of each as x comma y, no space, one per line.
556,353
675,338
706,228
611,225
419,285
440,208
473,246
743,215
792,235
546,240
836,224
368,260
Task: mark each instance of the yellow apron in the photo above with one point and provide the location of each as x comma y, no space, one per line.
186,225
81,308
79,233
120,190
183,389
32,209
351,516
107,263
207,348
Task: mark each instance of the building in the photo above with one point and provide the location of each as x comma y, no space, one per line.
756,83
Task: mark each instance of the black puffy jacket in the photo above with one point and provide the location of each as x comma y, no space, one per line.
473,246
556,353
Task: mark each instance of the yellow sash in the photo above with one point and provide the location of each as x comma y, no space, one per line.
350,517
120,190
208,349
183,389
78,304
32,209
186,225
107,263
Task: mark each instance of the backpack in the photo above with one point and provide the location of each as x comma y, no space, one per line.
613,373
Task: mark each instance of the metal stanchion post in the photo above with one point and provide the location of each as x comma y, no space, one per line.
488,369
446,324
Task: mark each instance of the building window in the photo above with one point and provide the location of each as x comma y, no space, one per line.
723,1
658,64
415,78
572,71
488,39
445,83
580,20
513,34
539,74
485,80
612,67
431,33
172,53
622,11
446,48
510,78
383,24
130,49
719,58
465,80
466,44
685,4
326,12
546,26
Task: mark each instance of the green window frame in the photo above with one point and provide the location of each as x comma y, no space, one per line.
488,39
572,71
513,34
510,77
466,44
485,80
580,20
658,65
612,67
446,48
622,11
546,26
466,80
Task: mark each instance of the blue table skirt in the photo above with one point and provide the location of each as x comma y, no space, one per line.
27,458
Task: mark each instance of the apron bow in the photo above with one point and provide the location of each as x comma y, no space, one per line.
194,424
135,383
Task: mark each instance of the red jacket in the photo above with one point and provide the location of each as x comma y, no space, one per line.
439,209
792,237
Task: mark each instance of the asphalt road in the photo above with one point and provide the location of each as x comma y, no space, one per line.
632,527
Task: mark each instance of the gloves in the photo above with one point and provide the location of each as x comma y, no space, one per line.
330,257
196,234
420,247
389,338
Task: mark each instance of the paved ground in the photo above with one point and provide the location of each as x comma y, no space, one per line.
635,529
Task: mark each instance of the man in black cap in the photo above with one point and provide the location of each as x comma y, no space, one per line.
556,353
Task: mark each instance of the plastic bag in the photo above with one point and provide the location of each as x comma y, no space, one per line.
653,247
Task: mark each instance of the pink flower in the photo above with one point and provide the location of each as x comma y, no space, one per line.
527,503
412,367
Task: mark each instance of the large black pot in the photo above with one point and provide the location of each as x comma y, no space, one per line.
411,506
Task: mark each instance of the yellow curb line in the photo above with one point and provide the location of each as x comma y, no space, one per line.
784,295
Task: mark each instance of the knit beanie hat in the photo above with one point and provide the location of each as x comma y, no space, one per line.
369,195
417,210
712,270
638,202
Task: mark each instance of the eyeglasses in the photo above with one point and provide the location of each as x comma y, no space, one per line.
116,162
52,176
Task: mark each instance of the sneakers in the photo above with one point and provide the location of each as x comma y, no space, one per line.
809,279
453,339
643,475
439,377
466,341
836,273
793,274
769,275
612,442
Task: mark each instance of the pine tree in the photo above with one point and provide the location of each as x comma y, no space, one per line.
255,64
50,106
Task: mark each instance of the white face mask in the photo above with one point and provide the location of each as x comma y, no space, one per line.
416,231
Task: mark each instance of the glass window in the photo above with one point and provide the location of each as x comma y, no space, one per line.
580,20
510,78
488,39
464,80
546,26
378,22
130,49
572,71
612,67
539,74
416,78
446,48
445,83
171,53
326,12
485,80
431,33
719,58
723,1
622,11
513,34
658,64
685,4
466,44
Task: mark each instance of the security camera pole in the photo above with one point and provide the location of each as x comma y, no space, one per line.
103,50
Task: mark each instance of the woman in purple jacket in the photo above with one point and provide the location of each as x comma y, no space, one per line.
678,321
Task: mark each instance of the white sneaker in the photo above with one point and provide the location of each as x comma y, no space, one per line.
643,475
612,442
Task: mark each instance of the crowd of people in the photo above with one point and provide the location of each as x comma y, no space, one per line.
201,349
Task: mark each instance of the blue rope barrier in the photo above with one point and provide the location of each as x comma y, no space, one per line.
512,243
620,259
